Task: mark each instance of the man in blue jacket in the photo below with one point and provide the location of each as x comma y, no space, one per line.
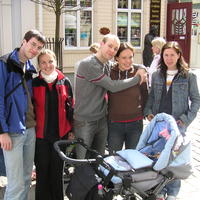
17,120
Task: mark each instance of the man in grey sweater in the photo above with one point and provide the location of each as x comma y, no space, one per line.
91,85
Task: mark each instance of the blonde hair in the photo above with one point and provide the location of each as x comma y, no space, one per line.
158,42
110,36
44,52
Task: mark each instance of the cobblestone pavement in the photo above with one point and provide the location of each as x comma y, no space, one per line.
191,186
190,189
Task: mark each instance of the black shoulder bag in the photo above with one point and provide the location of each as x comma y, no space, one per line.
69,109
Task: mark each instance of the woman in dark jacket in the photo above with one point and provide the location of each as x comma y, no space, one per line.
51,93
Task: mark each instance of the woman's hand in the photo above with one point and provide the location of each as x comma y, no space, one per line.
150,117
71,136
180,123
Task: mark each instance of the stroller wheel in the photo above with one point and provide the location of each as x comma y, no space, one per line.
151,197
132,198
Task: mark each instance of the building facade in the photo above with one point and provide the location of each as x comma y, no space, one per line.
80,27
82,21
16,17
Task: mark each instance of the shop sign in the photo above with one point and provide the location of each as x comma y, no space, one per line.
155,7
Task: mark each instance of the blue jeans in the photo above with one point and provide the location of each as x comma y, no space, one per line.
120,132
2,164
94,134
19,165
172,188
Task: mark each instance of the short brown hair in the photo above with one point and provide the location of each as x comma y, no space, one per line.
36,34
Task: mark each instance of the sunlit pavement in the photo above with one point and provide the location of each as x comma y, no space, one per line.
190,189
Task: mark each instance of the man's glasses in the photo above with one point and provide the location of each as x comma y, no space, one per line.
35,46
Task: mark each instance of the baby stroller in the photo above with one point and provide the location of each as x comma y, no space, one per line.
162,155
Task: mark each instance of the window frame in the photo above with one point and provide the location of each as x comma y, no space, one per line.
129,11
78,24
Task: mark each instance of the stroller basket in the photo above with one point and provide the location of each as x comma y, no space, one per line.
86,178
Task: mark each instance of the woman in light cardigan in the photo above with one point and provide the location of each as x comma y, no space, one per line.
157,45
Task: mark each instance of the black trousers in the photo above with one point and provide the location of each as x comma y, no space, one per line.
49,172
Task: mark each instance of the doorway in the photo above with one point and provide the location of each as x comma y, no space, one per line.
179,22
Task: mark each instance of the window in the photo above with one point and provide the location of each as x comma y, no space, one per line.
78,23
129,21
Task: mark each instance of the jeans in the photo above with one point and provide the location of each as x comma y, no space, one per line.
19,165
172,188
2,164
94,134
120,132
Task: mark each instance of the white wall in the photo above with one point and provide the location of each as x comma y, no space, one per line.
27,15
195,41
16,18
5,26
16,23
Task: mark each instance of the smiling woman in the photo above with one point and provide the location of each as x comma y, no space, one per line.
174,91
125,108
51,93
47,62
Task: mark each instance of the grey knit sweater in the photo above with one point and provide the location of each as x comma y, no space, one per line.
91,84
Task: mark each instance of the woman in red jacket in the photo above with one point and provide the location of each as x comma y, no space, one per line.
51,93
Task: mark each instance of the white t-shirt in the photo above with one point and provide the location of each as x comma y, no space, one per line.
170,76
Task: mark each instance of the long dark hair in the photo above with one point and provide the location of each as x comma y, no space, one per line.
181,64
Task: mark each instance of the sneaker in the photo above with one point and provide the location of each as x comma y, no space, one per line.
160,197
171,197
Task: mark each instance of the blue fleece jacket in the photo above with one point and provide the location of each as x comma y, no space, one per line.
13,108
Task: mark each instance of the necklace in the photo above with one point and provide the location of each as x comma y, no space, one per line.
172,72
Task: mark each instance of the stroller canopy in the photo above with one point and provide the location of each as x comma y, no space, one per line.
162,140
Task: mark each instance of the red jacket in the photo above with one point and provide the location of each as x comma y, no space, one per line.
64,90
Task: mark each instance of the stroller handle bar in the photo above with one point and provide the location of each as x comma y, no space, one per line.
69,160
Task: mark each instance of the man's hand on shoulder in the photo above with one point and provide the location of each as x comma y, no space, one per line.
5,141
143,75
